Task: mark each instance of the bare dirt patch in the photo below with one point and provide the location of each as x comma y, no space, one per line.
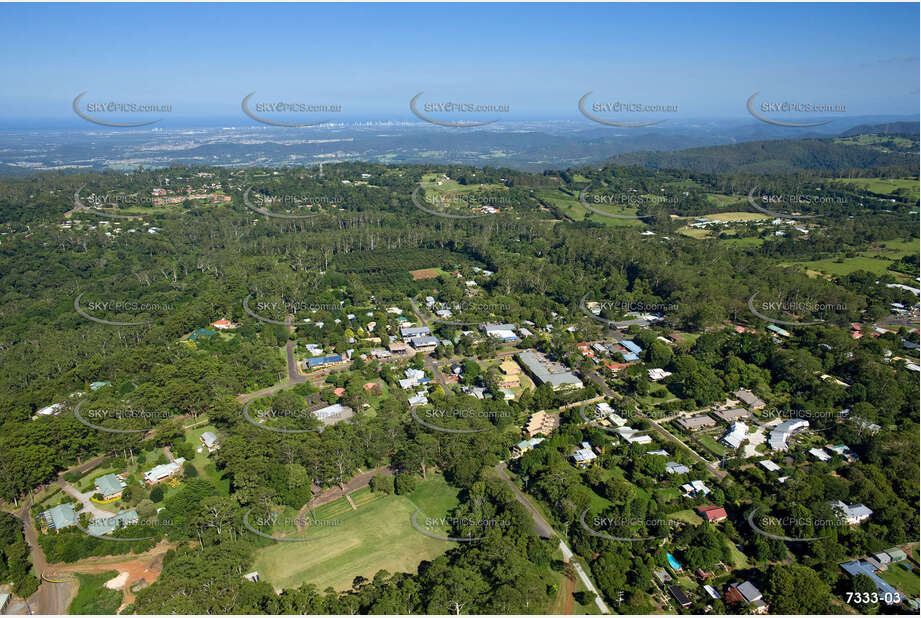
424,273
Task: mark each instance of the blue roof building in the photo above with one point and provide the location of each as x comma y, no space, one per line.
319,361
861,567
630,357
632,347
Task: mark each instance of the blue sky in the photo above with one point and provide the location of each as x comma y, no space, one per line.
537,58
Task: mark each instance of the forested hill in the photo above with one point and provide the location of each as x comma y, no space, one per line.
888,128
771,157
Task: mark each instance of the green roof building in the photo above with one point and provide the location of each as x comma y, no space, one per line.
60,517
109,486
107,525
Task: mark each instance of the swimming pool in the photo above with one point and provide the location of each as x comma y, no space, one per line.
672,562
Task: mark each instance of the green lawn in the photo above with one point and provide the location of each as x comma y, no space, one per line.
688,516
904,580
378,535
739,560
93,597
711,445
883,186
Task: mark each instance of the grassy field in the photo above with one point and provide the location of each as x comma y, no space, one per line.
378,535
572,208
739,560
93,597
904,580
875,260
882,186
736,216
711,445
687,516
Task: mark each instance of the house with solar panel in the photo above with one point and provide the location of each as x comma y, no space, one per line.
59,517
110,486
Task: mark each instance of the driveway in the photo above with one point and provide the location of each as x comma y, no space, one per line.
84,499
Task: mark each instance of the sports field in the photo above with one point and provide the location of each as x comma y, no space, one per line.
377,535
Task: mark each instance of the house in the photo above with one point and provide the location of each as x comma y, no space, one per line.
888,594
710,590
164,471
52,410
4,601
408,332
584,456
414,377
502,332
853,514
253,577
333,413
662,575
882,557
673,467
424,343
60,517
630,357
545,372
381,353
738,433
776,329
107,525
631,347
628,434
846,453
526,445
95,386
509,367
323,361
661,452
657,374
896,554
769,465
820,454
695,488
399,348
109,486
680,597
209,440
542,423
782,433
418,400
510,372
749,398
693,423
746,592
730,416
224,324
712,513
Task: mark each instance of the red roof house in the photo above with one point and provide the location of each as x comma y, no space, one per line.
712,513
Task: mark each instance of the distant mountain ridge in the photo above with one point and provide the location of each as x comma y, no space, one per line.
888,128
772,157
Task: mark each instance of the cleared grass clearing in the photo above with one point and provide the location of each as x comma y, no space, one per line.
882,186
378,535
687,516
